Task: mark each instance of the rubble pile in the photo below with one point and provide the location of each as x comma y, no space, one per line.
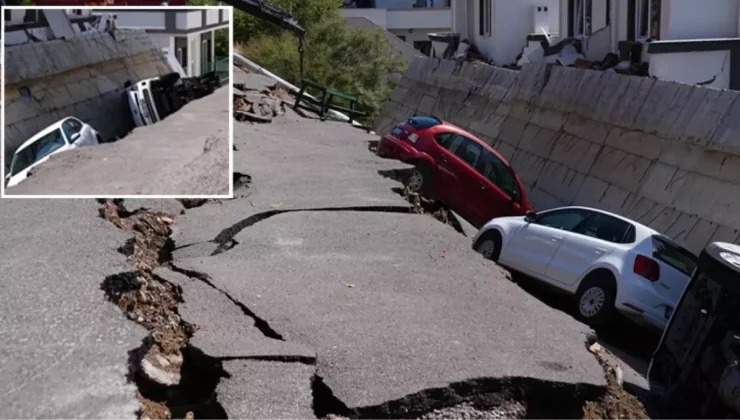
566,52
259,105
616,403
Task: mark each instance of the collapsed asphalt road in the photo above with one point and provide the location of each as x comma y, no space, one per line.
187,153
316,292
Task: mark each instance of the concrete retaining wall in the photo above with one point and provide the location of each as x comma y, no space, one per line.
91,90
662,153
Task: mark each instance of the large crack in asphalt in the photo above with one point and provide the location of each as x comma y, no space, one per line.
498,398
225,239
508,397
260,323
174,379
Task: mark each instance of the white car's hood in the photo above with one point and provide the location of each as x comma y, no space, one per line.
20,176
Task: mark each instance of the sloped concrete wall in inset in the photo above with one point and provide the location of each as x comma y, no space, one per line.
662,153
75,84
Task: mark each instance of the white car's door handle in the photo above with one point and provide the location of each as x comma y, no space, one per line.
600,251
556,238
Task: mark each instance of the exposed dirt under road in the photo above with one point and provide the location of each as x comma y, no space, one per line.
159,366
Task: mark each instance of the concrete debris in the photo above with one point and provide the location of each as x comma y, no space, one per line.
569,52
595,348
158,375
259,106
251,116
616,403
565,52
508,410
568,56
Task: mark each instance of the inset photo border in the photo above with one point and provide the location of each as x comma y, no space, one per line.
117,102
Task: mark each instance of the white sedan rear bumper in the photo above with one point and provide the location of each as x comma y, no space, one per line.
638,300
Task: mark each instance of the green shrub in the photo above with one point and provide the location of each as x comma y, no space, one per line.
354,61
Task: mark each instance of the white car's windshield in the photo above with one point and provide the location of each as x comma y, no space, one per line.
37,151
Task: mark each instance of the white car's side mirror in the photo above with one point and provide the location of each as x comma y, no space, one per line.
530,217
74,137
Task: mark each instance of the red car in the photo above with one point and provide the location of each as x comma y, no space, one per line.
456,168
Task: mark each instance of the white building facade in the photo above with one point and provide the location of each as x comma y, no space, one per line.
499,28
410,20
189,34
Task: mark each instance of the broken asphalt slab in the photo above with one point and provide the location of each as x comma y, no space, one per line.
267,390
64,349
185,154
296,165
224,329
395,304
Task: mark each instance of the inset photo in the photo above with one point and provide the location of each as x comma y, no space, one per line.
112,102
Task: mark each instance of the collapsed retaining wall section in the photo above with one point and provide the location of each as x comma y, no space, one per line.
91,90
662,153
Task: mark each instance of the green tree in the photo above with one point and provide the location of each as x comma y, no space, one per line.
356,61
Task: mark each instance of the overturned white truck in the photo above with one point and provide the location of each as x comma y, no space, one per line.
152,100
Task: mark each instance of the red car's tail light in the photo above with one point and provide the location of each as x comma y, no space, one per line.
647,268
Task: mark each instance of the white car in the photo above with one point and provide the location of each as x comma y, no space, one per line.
150,100
65,134
607,261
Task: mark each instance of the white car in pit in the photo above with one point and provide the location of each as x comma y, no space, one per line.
65,134
608,262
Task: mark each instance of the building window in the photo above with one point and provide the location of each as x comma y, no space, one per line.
486,16
7,15
582,16
647,19
402,37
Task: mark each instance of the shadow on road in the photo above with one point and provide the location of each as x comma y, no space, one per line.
633,344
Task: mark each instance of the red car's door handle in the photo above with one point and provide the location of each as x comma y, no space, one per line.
443,159
482,186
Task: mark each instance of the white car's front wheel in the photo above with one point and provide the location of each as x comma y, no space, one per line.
595,299
489,245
